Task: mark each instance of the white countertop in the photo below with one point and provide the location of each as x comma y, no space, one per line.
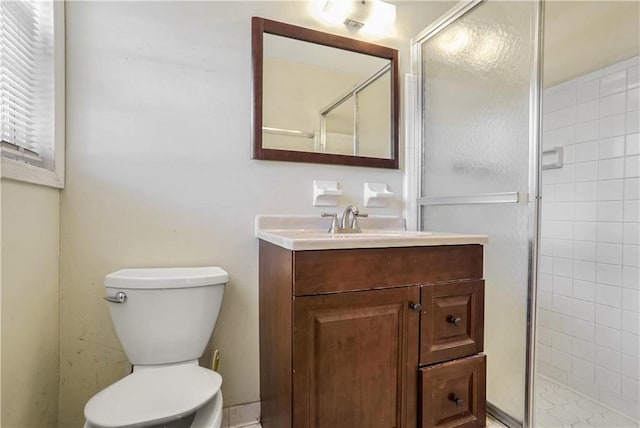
299,233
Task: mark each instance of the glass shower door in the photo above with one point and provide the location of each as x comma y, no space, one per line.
478,74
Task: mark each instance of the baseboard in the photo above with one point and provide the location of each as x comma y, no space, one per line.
242,415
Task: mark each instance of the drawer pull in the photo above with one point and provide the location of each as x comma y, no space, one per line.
454,320
459,401
415,307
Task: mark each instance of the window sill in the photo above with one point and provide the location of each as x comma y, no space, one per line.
20,171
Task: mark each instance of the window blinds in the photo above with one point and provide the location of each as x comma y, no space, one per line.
26,80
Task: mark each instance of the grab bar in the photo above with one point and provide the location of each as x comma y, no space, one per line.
487,198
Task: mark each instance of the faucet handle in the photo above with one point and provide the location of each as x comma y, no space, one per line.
334,222
354,222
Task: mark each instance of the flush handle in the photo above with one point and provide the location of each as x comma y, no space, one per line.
120,297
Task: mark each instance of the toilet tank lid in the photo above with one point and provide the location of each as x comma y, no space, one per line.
155,278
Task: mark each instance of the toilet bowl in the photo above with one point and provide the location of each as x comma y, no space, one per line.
163,318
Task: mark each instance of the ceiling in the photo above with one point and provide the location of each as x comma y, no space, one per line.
583,36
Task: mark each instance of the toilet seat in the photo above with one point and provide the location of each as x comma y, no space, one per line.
153,395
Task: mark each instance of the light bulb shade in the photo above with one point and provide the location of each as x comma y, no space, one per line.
371,16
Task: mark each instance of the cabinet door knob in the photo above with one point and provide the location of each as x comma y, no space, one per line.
458,401
415,307
454,320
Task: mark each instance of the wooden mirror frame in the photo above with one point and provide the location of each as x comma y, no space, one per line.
260,26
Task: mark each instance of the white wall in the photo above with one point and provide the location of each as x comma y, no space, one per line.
588,298
30,305
159,170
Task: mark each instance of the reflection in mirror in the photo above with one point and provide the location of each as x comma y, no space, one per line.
324,98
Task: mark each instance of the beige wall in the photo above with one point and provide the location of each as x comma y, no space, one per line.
159,170
30,305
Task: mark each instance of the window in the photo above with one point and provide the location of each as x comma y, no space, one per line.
32,91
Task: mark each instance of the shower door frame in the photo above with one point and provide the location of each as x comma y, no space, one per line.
414,169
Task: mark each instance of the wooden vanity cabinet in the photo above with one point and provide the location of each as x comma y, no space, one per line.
342,336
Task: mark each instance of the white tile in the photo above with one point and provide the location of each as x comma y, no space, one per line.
631,277
546,265
610,168
545,318
583,310
583,329
562,322
563,287
633,80
585,211
544,335
631,322
586,151
564,192
608,379
587,111
568,154
610,190
632,233
613,105
582,368
565,136
549,176
557,100
543,352
563,230
616,402
609,232
630,344
631,300
608,316
584,250
632,189
587,131
244,414
562,267
633,144
633,99
612,126
566,174
559,118
630,367
631,166
609,358
611,147
586,191
563,248
546,247
583,386
585,271
609,295
585,230
544,300
609,274
561,360
621,65
584,171
631,255
631,211
548,193
632,122
609,337
561,341
610,211
545,282
583,349
630,389
584,290
613,83
588,91
609,253
563,211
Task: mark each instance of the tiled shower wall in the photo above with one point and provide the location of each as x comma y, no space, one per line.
588,299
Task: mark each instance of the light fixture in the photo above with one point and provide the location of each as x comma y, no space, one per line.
367,16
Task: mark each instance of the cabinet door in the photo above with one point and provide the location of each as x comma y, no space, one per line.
355,358
452,321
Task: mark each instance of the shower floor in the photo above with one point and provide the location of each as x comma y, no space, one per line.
557,406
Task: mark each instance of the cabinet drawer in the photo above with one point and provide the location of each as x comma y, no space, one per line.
330,271
452,321
453,393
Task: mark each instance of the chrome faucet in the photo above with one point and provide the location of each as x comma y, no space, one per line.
349,222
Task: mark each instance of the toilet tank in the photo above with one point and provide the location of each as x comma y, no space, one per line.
168,314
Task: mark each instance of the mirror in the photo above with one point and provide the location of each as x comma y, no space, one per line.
322,98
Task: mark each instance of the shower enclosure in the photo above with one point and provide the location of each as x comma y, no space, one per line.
483,146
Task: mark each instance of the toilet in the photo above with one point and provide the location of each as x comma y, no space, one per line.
164,318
